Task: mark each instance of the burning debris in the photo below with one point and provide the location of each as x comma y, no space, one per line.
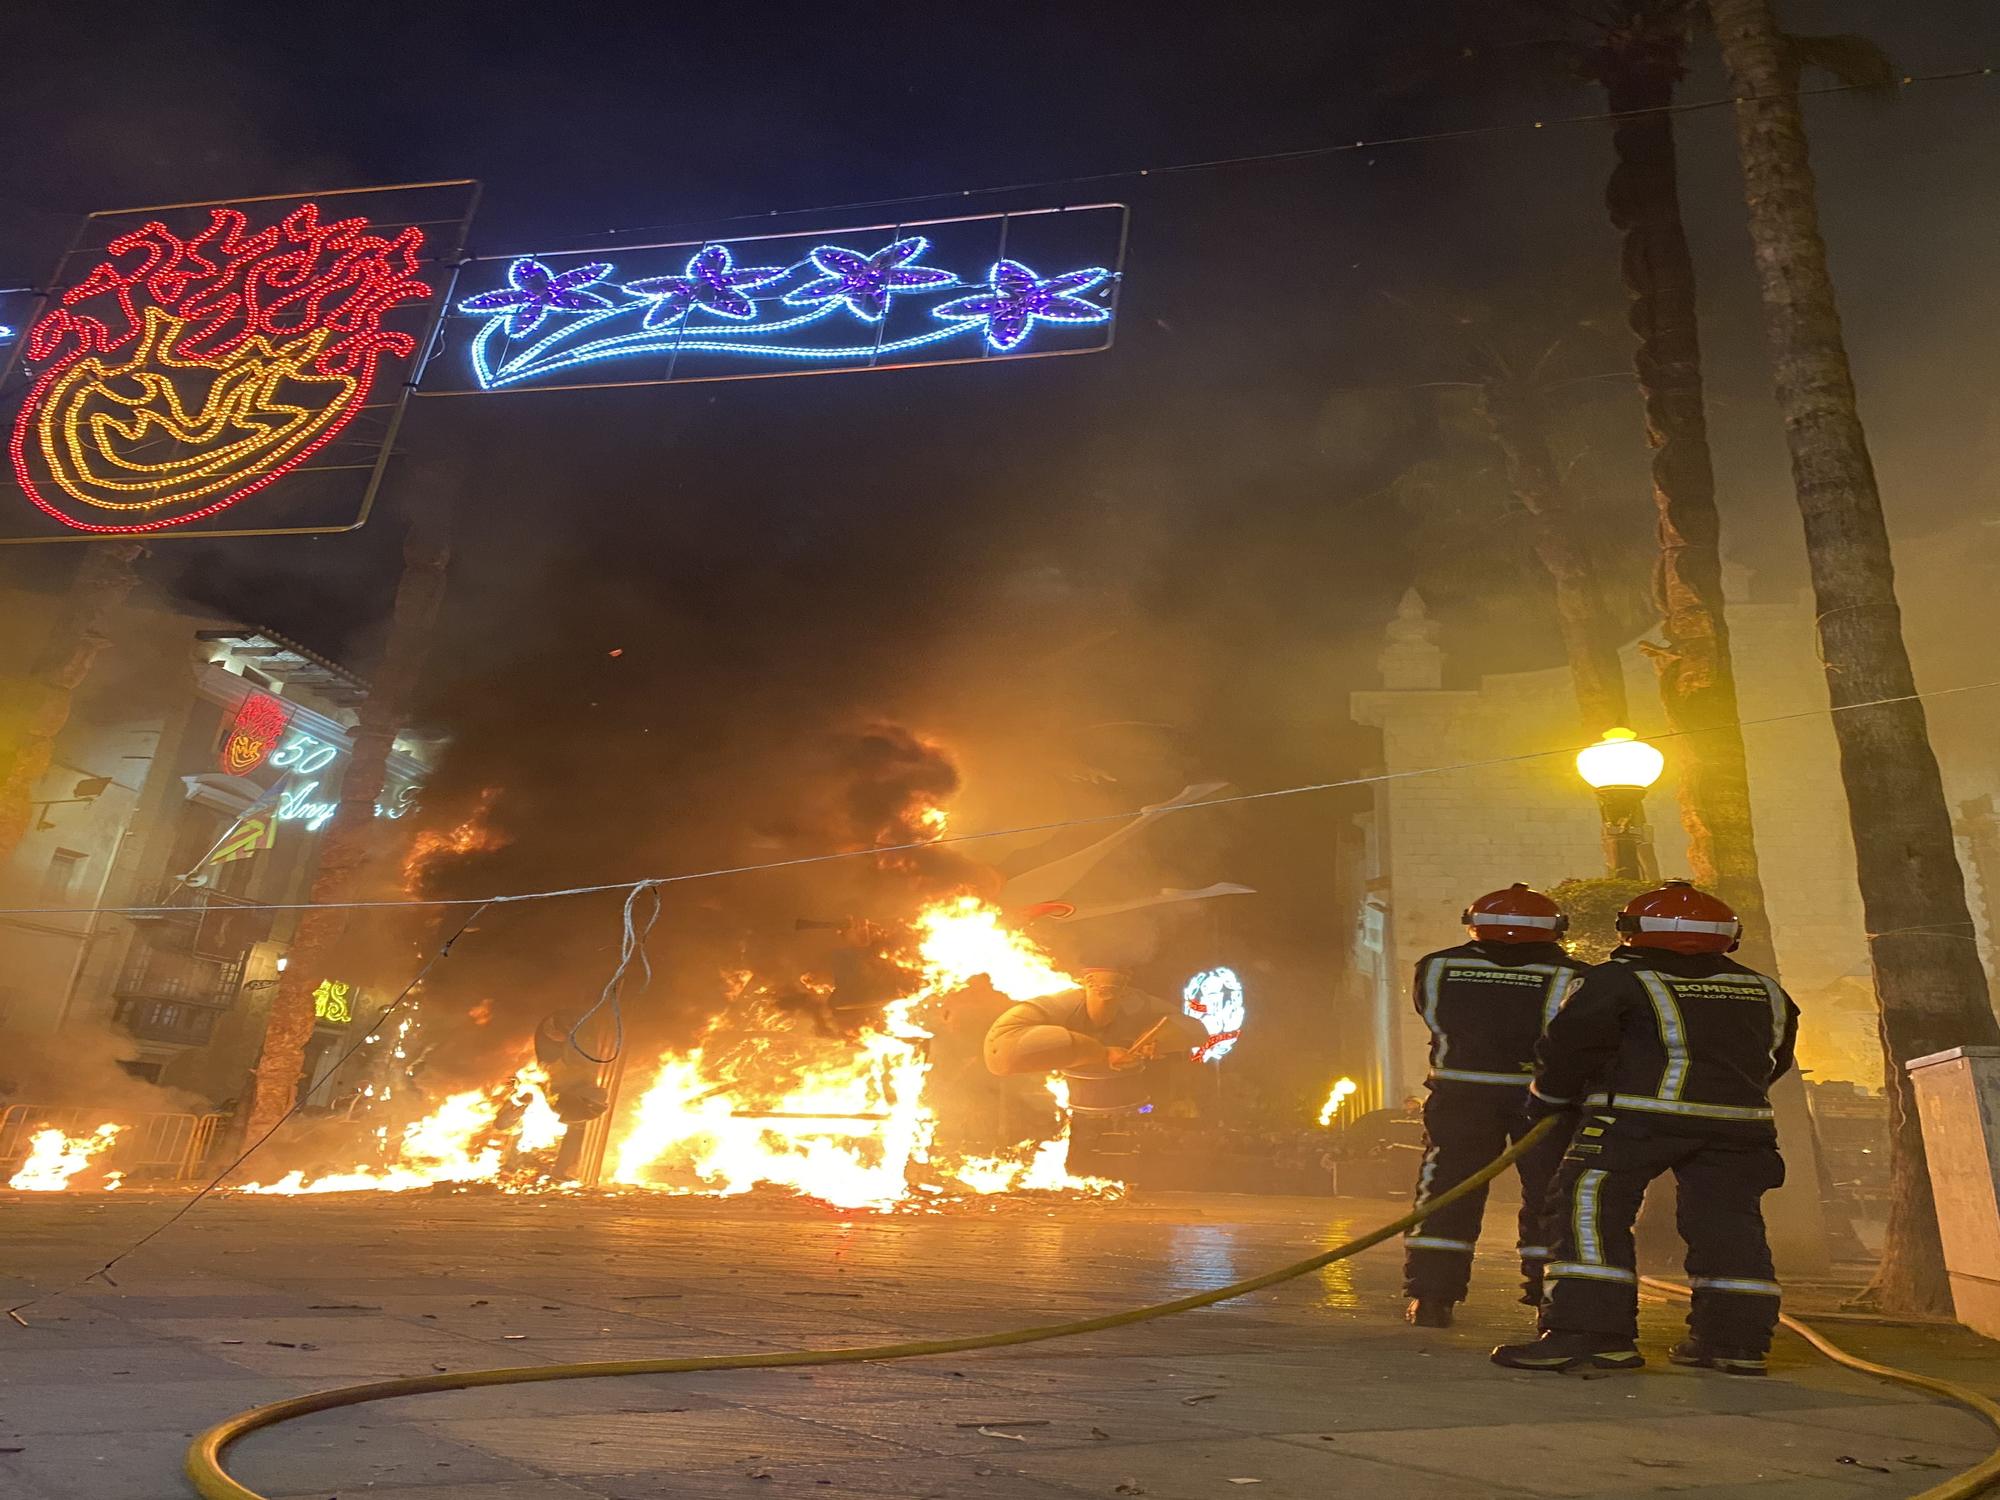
847,1072
474,834
851,1124
54,1158
846,1118
506,1136
1342,1090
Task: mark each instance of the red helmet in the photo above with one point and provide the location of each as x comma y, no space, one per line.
1680,918
1515,915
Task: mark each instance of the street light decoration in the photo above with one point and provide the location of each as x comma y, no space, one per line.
1620,767
183,374
1214,997
1620,760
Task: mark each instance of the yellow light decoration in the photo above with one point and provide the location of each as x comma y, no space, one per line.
88,432
1620,760
333,1001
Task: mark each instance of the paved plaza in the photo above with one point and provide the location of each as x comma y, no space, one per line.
1315,1389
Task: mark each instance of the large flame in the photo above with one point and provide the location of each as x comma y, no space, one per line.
844,1121
54,1158
853,1131
963,938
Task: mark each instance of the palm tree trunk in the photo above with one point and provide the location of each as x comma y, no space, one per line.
34,708
1589,635
1697,677
1927,970
346,842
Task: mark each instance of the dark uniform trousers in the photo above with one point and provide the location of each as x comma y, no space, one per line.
1466,1125
1593,1281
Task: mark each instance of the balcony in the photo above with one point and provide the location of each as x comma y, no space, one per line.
170,994
179,1022
206,924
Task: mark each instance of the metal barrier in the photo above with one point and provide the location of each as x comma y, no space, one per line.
149,1147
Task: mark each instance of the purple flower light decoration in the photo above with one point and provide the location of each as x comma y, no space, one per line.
866,282
534,291
1018,298
712,281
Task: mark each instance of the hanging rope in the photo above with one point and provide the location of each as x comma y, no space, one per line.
633,946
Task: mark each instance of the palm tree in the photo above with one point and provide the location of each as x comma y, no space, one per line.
1512,404
346,845
35,707
1519,375
1637,53
1928,976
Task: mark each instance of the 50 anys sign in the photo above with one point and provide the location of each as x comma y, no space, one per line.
242,368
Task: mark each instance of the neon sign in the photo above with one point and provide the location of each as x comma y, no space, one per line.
993,285
665,314
254,732
182,374
1214,997
305,754
333,1002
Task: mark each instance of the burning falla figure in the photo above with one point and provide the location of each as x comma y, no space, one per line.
1105,1028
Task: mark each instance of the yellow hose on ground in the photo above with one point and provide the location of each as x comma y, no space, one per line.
213,1482
1973,1481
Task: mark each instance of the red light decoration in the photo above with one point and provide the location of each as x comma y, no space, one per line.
236,354
259,724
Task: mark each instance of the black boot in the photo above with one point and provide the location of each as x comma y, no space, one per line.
1560,1352
1429,1312
1729,1359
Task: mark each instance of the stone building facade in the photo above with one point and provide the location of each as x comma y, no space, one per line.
137,810
1481,790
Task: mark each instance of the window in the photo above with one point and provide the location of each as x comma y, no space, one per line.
59,881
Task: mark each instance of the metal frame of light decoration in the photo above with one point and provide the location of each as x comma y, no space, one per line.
727,277
14,325
441,262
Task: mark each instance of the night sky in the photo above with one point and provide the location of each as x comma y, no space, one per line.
1090,579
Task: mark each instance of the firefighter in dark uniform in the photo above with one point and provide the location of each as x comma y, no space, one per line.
1485,1003
1668,1051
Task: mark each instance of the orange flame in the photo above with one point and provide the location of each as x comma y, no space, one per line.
844,1121
471,836
462,1140
54,1158
854,1131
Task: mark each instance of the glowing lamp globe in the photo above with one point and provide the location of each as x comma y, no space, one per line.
1621,760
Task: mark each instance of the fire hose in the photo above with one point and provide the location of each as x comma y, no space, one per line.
213,1482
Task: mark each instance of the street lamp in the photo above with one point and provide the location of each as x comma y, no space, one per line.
1620,767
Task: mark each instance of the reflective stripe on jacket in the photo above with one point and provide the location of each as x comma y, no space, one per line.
1689,1038
1485,1004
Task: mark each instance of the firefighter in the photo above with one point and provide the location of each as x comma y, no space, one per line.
1485,1003
1669,1051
